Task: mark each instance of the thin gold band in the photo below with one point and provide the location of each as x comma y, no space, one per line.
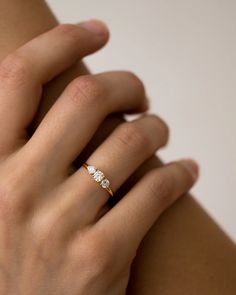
99,177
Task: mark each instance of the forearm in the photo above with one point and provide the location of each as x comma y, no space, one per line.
184,230
185,253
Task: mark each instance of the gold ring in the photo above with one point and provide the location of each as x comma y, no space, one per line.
99,177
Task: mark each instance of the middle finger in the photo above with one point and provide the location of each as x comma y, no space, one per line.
75,117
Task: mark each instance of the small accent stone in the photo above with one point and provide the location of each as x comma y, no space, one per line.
105,183
91,169
98,176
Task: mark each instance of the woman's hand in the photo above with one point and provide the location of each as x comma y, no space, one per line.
57,234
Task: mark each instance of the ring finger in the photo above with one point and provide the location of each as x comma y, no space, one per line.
118,157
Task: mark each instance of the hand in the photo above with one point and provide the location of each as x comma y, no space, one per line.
55,235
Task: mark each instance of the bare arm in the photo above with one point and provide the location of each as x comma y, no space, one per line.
185,252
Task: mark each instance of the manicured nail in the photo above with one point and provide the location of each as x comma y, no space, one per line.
95,26
192,167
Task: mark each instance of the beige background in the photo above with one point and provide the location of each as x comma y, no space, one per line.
185,52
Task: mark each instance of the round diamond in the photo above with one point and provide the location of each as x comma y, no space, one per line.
105,183
98,176
91,169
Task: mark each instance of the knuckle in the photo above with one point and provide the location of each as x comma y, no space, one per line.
132,135
86,89
15,175
10,205
14,69
41,227
98,261
14,192
93,256
45,232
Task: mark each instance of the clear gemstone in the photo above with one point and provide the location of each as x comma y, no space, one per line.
98,176
91,169
105,183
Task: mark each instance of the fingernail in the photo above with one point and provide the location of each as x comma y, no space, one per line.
95,26
192,167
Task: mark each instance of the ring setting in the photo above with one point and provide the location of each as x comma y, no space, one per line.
99,177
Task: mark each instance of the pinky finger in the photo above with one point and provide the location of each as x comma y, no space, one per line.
133,216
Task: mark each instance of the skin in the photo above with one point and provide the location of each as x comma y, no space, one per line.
156,269
52,222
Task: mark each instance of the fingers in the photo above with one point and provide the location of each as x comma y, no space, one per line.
133,216
126,149
75,117
23,72
118,157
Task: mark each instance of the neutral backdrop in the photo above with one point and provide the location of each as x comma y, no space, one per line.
185,51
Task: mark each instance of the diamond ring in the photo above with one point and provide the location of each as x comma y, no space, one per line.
99,177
